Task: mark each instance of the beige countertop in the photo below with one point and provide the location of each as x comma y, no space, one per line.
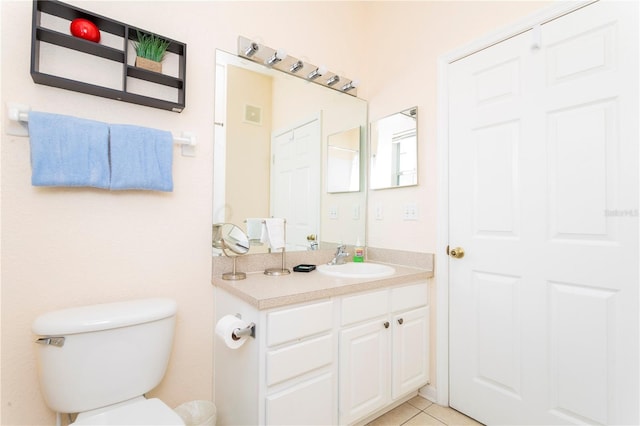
265,292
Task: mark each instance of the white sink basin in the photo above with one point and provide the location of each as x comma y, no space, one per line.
357,270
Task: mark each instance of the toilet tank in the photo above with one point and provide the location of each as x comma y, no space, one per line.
111,352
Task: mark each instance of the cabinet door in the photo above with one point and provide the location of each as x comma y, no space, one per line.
364,369
410,351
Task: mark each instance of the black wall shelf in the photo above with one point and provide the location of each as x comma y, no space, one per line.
128,33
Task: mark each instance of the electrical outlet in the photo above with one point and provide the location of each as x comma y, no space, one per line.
410,211
355,214
333,212
379,213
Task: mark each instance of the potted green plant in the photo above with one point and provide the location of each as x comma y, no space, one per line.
150,51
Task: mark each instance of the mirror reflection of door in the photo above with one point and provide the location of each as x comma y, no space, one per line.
295,181
394,150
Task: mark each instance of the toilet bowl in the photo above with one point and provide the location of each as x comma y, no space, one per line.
98,361
140,411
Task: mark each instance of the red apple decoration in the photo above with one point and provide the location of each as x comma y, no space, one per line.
83,28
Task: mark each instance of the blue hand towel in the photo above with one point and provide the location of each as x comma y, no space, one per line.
68,151
141,158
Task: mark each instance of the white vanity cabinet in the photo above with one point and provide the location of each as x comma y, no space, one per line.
300,368
286,375
332,361
384,356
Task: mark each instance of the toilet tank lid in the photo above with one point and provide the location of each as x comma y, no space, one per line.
104,316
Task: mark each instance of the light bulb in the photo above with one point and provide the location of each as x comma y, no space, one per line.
351,85
279,55
321,70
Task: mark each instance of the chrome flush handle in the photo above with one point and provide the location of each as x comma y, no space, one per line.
54,341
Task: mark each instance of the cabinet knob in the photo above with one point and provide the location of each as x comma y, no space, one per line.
386,324
400,321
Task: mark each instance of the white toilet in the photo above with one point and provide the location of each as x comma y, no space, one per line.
99,360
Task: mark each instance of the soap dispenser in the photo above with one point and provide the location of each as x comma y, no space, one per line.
358,252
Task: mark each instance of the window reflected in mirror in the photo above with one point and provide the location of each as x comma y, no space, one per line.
394,150
343,161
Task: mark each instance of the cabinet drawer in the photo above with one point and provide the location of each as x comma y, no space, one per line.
408,297
297,323
291,361
364,306
307,403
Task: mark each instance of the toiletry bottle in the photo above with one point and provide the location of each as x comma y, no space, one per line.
358,252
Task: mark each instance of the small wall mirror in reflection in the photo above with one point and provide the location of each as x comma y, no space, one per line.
343,161
394,150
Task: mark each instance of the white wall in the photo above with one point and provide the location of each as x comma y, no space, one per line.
410,37
64,247
247,176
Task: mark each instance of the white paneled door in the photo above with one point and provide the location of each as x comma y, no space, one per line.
543,200
295,181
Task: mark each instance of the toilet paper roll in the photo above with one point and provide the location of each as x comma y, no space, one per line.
224,330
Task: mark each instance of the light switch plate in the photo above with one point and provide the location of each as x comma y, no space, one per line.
410,211
333,212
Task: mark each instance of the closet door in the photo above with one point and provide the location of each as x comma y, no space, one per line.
544,201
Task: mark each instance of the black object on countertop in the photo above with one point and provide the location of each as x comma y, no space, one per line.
304,268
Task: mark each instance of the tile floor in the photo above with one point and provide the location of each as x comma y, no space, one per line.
421,412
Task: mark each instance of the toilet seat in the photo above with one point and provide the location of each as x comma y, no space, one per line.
139,411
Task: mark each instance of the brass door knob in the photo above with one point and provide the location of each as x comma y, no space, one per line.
457,252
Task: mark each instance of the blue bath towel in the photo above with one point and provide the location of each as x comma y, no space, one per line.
141,158
68,151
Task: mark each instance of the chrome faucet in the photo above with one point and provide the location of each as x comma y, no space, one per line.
340,256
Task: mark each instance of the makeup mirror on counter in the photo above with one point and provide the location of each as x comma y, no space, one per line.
343,161
394,150
227,236
271,154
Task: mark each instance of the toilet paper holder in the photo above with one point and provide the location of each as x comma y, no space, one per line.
249,330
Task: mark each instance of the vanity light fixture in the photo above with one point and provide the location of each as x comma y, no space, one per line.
279,55
333,80
279,60
296,66
251,49
350,85
318,72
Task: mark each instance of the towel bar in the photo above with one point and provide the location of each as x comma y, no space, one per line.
21,114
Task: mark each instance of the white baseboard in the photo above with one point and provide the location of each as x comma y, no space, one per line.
428,392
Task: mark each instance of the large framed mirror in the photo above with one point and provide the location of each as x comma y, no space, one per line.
270,154
394,150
